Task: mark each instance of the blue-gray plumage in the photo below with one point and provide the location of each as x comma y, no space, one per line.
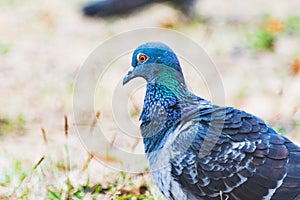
198,150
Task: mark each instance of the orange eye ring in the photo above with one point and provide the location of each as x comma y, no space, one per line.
143,58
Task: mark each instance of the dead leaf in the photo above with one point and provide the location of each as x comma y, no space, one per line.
105,158
274,26
296,66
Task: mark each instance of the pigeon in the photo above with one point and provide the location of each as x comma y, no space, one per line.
198,150
108,8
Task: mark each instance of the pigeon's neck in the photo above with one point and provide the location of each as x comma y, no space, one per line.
168,83
163,95
163,105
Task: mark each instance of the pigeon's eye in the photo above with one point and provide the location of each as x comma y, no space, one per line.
142,58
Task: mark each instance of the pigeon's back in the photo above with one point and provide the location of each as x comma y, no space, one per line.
224,151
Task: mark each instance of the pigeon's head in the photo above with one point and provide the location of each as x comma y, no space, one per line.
152,61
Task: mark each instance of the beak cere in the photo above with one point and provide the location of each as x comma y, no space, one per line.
129,76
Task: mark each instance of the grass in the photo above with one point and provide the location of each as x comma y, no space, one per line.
56,179
4,48
261,40
293,25
62,179
9,125
262,37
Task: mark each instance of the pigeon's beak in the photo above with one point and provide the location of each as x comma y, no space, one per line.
129,76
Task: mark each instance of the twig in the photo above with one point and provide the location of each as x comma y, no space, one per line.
66,131
86,164
221,195
113,140
44,135
39,162
137,141
27,176
94,122
226,196
66,126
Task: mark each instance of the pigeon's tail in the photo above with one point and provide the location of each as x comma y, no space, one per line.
108,8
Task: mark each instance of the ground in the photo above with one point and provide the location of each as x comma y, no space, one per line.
254,44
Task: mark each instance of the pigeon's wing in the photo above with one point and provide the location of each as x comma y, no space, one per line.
230,152
291,183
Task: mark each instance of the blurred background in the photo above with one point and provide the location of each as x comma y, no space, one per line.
255,46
